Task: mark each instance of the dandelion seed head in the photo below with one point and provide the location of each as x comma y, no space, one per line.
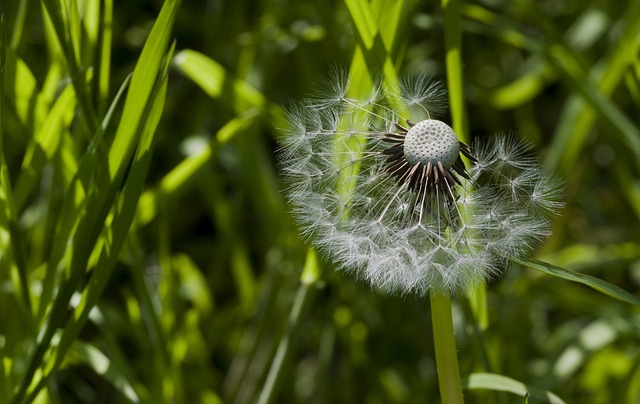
393,203
431,141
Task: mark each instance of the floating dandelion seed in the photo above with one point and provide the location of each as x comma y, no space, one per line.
392,201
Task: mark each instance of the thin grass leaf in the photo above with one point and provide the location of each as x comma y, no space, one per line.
142,85
100,200
97,23
14,254
495,382
74,200
629,185
67,30
375,49
113,241
394,23
304,297
4,187
214,80
144,307
21,88
451,10
103,367
18,26
245,281
589,27
364,21
524,88
594,283
105,35
632,80
453,45
45,144
571,134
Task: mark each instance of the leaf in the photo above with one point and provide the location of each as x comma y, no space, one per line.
364,21
137,126
495,382
376,44
142,84
45,144
105,367
10,235
594,283
214,80
453,42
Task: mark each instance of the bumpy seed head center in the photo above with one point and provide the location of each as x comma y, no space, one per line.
431,141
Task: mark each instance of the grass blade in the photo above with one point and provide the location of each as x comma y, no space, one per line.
105,367
491,381
133,123
214,80
594,283
453,46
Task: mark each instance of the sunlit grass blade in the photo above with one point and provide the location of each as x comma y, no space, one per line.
304,297
66,23
18,27
142,85
98,26
453,44
74,200
103,366
452,22
627,131
21,89
45,144
522,89
133,124
120,223
375,52
363,20
495,382
214,80
14,254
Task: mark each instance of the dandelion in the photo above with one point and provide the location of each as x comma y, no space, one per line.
390,194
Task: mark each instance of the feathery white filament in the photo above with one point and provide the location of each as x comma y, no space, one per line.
394,204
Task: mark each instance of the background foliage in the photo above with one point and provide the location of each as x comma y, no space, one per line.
146,252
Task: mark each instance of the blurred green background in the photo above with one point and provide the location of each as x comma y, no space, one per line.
201,294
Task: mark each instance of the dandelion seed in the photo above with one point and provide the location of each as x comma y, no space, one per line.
387,195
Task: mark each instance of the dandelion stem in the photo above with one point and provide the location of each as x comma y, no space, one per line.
445,347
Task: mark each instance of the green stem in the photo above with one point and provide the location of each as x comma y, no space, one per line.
445,346
268,393
308,281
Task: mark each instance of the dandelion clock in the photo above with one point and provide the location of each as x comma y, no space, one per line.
390,194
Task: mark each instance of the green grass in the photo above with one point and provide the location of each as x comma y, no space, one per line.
147,253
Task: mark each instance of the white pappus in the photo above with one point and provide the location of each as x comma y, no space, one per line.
391,195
